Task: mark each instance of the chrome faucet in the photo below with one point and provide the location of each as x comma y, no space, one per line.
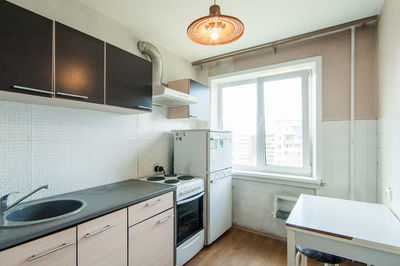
4,205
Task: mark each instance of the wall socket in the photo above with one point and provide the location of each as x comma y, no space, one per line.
389,193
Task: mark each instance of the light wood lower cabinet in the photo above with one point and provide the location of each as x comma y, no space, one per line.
143,210
58,249
151,242
103,241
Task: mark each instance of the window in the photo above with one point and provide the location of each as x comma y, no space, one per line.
269,117
243,124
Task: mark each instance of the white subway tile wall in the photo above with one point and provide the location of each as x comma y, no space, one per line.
336,160
389,159
253,203
73,149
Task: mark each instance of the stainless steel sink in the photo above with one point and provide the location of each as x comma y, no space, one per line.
40,212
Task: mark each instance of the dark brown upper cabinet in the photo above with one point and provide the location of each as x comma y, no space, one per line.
79,65
25,51
129,80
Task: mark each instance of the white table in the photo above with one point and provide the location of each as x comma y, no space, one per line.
360,231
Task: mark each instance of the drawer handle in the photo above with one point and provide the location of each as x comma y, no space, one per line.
99,231
166,219
35,257
154,203
32,90
72,95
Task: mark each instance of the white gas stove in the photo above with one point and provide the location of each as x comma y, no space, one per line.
187,185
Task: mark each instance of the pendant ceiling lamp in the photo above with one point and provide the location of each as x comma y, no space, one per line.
215,29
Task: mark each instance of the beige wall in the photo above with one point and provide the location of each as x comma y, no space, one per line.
335,52
389,102
389,58
81,17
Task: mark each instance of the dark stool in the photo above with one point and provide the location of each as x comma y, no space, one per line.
326,258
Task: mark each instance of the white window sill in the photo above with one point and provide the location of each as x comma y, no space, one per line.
291,180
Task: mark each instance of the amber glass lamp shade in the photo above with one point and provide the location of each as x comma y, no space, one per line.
215,29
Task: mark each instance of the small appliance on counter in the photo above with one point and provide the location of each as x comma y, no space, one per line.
208,154
189,213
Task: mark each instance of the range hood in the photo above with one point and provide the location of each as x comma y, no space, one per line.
162,95
168,97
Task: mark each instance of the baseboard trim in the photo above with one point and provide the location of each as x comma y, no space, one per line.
258,232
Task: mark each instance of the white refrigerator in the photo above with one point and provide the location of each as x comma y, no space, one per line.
208,154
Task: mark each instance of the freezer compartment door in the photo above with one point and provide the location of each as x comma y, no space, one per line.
220,150
220,207
190,153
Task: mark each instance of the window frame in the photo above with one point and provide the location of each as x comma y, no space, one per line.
261,165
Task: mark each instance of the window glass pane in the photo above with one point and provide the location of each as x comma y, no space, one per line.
239,112
283,122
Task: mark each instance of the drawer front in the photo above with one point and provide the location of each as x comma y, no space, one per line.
149,208
103,241
55,249
152,242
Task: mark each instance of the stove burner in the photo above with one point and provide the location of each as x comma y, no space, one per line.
156,178
172,181
170,175
186,177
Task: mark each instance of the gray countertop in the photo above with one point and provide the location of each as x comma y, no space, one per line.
100,200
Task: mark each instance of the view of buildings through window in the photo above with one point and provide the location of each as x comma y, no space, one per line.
239,110
283,122
281,112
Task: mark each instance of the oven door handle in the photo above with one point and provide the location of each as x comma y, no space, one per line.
190,199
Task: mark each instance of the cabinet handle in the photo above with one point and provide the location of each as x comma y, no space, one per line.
154,203
34,257
144,107
32,90
193,116
99,231
72,95
166,219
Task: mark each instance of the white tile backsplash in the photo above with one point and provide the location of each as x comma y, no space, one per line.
72,149
389,158
336,160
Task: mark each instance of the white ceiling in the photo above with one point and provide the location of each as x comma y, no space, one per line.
164,22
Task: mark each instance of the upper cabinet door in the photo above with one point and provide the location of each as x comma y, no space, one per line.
79,65
200,110
25,51
128,80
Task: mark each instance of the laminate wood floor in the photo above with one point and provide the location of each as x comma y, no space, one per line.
238,247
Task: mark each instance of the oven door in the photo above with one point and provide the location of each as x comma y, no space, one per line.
189,217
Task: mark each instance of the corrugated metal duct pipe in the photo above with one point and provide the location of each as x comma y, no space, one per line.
154,54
